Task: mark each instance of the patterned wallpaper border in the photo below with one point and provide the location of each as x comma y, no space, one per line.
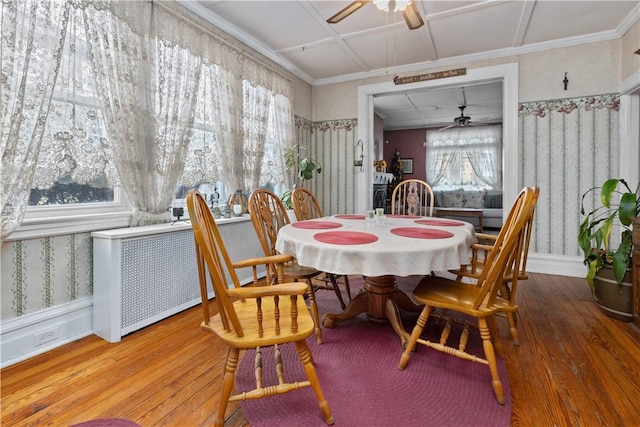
567,105
329,125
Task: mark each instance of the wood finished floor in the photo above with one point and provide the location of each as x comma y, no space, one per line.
574,367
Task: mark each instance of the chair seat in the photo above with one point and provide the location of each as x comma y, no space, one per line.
297,271
445,293
247,309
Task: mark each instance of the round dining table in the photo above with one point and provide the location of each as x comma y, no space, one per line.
394,245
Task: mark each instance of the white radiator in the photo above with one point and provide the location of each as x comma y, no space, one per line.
145,274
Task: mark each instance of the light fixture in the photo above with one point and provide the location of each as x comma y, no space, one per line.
391,5
358,155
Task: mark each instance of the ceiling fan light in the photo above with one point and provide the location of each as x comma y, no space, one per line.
401,5
382,5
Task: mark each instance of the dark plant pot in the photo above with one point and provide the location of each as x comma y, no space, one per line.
614,300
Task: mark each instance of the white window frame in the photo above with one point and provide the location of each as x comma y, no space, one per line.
56,220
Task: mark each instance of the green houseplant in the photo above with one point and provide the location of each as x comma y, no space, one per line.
618,207
596,228
303,168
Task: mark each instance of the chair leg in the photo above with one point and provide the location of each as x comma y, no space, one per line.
336,289
307,362
495,337
511,318
489,353
314,310
228,381
415,334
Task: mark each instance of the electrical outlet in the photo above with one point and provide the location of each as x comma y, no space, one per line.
46,336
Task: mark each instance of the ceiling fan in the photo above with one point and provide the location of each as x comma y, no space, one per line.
409,12
460,121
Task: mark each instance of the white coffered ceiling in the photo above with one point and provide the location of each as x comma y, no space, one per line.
372,43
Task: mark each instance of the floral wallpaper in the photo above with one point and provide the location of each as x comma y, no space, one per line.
566,146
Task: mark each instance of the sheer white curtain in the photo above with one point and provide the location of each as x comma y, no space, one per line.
75,147
257,102
283,127
438,163
227,105
484,151
33,35
481,147
265,97
148,90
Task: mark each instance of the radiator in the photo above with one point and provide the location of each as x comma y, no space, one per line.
145,274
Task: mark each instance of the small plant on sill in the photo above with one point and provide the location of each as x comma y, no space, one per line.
303,168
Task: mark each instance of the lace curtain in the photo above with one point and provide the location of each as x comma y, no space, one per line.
283,125
116,102
148,88
480,146
33,35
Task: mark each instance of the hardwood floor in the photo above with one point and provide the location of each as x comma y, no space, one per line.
574,367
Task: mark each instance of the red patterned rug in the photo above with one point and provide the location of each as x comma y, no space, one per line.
357,366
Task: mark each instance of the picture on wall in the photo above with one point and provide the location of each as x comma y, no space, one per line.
407,165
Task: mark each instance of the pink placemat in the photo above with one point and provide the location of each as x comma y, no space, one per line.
345,237
421,233
311,225
403,216
440,222
350,216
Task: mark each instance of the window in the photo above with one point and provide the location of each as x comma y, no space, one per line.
235,134
73,164
468,158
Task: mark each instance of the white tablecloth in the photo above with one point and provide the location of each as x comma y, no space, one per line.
389,255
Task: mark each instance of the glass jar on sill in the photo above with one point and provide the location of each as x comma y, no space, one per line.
238,198
217,213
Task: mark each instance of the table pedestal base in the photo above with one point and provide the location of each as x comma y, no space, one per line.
380,300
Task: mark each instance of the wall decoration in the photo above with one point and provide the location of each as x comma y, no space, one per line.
407,165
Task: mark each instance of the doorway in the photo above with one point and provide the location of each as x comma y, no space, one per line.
507,73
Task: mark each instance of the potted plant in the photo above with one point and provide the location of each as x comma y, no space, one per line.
619,206
303,168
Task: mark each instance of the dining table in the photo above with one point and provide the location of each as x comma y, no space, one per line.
379,250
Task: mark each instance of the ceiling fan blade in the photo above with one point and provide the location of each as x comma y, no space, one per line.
412,16
448,127
352,7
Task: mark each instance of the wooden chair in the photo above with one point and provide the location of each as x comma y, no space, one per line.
412,197
481,302
268,216
306,207
481,250
252,317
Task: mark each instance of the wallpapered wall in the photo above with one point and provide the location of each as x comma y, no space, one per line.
332,144
566,147
42,273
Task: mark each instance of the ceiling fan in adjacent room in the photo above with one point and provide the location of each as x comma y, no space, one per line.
409,11
460,121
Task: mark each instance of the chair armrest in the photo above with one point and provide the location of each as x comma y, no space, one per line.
488,237
273,259
293,288
481,247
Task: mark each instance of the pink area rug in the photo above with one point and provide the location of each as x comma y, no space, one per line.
357,366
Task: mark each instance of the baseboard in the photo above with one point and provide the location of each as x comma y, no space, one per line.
562,265
33,334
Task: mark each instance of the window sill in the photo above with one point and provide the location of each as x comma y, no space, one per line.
33,228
